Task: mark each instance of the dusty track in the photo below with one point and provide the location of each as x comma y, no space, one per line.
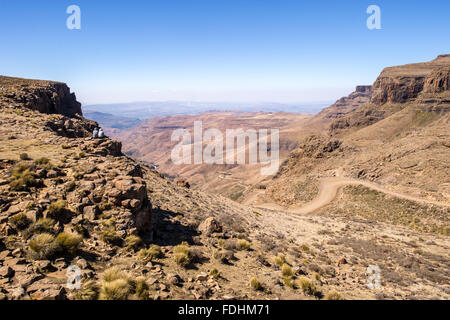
328,191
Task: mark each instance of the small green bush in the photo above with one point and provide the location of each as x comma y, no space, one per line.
43,225
215,273
134,242
89,291
142,289
255,284
69,242
42,161
24,156
110,236
150,254
57,210
280,259
20,221
333,295
44,246
286,270
183,255
308,286
243,244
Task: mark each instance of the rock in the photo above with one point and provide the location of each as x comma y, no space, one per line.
342,261
182,183
91,212
6,272
46,266
203,276
210,225
52,174
173,279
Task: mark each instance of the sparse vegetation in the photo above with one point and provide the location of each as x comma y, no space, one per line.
69,242
183,255
150,254
89,291
255,284
24,157
280,259
333,295
243,244
134,242
110,236
20,221
116,285
23,178
142,289
286,270
215,273
43,225
57,210
44,246
308,287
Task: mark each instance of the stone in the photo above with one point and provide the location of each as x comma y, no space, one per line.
210,225
203,276
91,212
6,272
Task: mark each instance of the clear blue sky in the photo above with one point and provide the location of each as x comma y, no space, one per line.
223,50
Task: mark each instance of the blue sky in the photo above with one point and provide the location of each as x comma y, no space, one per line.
217,50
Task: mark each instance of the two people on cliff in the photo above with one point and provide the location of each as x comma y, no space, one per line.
98,133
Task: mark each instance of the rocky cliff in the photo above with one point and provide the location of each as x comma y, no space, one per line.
43,96
403,83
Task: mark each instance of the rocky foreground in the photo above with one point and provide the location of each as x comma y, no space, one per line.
69,203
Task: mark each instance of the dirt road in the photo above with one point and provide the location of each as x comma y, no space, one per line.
328,191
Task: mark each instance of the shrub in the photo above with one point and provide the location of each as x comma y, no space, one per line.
255,284
44,246
150,254
24,156
57,210
112,274
288,282
183,255
119,289
42,161
308,287
105,206
20,221
280,259
110,236
334,295
243,244
43,225
286,271
215,273
89,291
23,178
142,289
69,242
116,285
133,242
304,248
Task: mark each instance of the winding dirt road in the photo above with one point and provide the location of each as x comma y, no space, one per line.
328,191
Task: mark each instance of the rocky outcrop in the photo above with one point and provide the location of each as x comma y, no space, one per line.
404,83
345,105
438,81
43,96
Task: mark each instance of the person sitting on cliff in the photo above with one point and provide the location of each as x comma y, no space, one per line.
101,134
95,134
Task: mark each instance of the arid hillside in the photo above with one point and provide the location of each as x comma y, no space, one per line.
151,142
69,204
399,142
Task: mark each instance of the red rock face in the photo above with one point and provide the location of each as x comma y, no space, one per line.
438,81
43,96
396,89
